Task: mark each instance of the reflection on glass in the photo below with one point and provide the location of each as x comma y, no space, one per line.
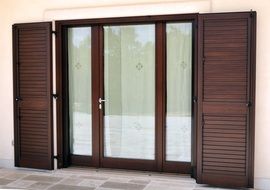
79,70
129,91
179,89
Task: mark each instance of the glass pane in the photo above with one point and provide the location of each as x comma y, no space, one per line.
129,119
79,70
179,89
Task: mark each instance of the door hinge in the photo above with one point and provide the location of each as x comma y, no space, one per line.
54,32
55,96
195,99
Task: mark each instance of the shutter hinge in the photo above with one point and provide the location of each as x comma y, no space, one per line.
56,157
203,122
203,59
249,104
251,13
195,99
55,96
54,32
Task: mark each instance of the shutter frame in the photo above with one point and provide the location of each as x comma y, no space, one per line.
32,43
217,179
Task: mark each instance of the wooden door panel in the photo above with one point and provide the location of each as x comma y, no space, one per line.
32,94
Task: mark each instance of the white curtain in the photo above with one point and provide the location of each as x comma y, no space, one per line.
179,91
79,71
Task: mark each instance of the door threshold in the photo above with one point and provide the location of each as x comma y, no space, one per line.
74,168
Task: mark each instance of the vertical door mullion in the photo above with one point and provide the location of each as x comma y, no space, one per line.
194,97
160,94
95,95
66,149
101,92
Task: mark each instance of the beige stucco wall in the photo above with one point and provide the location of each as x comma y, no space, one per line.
14,11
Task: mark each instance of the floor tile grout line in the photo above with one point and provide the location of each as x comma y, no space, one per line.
55,183
21,178
147,185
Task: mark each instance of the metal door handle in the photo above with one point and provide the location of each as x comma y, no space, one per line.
100,103
101,100
195,99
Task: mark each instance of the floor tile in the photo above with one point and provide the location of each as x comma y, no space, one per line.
71,181
69,187
15,176
91,183
165,187
139,181
5,181
6,187
174,184
39,186
118,185
4,173
21,183
206,188
41,178
119,179
94,177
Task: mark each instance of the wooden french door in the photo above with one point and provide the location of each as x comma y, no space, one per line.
145,103
128,95
82,94
127,102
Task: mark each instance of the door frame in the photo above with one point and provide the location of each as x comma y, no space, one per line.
159,163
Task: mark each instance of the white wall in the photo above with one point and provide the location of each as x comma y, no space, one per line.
14,11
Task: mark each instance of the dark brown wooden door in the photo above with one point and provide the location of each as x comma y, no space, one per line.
226,99
32,95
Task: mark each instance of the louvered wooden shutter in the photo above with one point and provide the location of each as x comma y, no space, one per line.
32,95
226,78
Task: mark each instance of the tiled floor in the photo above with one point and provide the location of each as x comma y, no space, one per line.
98,179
